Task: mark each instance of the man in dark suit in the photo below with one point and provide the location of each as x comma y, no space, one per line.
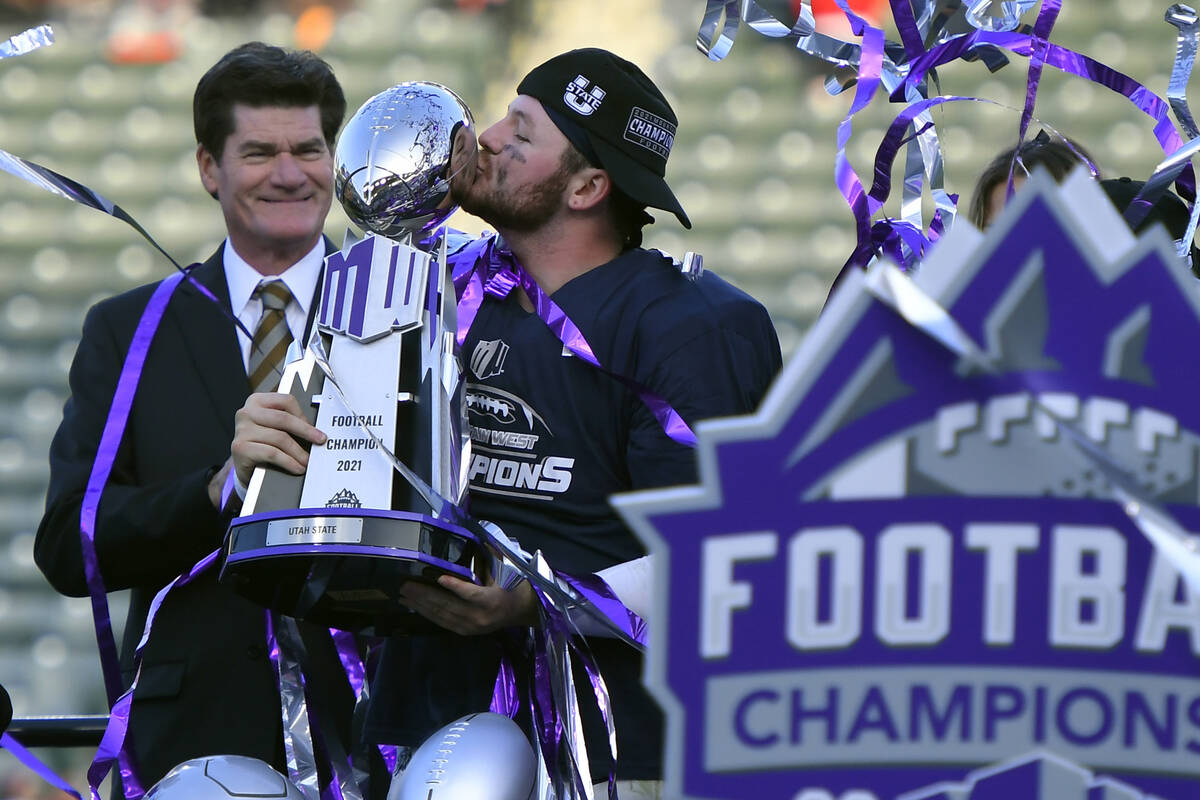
265,121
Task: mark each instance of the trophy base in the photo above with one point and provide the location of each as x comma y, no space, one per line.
343,568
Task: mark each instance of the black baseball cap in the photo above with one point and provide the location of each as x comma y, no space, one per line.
615,116
1168,210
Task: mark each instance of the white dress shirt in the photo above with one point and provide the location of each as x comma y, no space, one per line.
300,279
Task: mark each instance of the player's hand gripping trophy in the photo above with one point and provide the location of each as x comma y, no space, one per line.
380,377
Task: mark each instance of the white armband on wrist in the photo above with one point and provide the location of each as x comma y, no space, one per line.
630,581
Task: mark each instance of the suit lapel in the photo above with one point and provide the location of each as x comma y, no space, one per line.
211,339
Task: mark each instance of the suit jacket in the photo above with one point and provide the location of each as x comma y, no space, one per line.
207,685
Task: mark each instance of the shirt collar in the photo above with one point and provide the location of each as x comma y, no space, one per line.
300,278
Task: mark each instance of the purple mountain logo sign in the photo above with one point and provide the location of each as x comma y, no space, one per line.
902,569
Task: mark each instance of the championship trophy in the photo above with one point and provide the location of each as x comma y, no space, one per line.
380,376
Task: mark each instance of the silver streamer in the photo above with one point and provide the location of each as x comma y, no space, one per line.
1184,244
768,24
54,183
896,290
297,737
504,570
545,786
925,160
297,732
76,192
1179,547
980,15
566,702
1160,181
27,41
925,12
691,266
717,45
1185,20
900,293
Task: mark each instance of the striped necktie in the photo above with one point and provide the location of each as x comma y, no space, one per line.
271,338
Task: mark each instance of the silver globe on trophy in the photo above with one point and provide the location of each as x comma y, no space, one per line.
380,376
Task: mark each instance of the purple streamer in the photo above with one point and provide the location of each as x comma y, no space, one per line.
894,139
299,758
869,71
347,650
600,594
70,189
573,339
1072,63
549,726
906,24
505,697
27,758
501,274
227,488
355,668
1041,51
549,696
604,702
1047,16
468,284
112,744
106,453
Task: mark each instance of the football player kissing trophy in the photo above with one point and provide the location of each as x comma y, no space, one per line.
378,503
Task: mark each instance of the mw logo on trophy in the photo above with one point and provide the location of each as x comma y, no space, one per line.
380,376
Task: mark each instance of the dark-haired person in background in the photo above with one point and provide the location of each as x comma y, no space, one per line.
1167,210
1057,156
265,122
1060,158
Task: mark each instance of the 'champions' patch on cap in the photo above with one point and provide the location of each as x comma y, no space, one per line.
582,96
650,131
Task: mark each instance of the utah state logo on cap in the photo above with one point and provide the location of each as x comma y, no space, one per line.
581,98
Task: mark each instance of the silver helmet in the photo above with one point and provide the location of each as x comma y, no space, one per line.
223,778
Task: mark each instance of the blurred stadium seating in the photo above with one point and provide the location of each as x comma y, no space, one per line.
753,166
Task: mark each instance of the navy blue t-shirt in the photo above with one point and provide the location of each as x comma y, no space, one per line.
554,437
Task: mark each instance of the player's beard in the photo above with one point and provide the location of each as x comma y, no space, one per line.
523,211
